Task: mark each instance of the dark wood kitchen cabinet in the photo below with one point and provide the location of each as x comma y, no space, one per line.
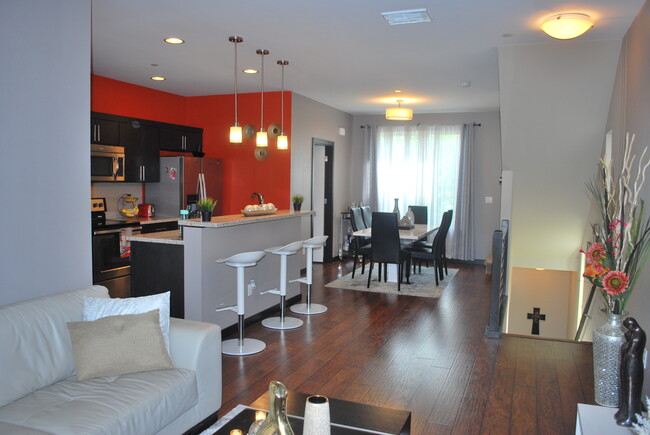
179,138
104,131
141,151
158,268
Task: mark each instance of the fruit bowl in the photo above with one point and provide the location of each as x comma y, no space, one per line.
259,210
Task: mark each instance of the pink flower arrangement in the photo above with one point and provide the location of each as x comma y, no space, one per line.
615,282
615,261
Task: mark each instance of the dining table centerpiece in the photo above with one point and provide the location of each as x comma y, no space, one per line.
615,260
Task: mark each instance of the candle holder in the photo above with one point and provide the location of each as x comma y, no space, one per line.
317,416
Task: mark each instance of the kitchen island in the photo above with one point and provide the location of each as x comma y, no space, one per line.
208,285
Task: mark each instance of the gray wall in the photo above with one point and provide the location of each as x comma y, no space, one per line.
311,119
487,165
630,112
554,103
45,132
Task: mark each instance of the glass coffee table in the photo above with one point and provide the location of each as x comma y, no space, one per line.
347,418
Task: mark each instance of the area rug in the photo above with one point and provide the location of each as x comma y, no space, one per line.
422,284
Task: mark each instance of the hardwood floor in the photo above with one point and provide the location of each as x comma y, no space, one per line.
429,356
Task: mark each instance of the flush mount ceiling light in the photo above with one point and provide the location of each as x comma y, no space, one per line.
411,16
262,139
399,113
174,40
283,141
236,130
566,26
158,78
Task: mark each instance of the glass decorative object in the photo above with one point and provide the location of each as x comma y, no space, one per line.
396,208
317,416
607,342
410,216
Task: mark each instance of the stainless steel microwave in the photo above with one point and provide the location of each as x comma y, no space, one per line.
106,163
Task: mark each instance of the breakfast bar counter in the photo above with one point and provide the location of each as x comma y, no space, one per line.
208,285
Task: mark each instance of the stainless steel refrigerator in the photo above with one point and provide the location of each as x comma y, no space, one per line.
179,181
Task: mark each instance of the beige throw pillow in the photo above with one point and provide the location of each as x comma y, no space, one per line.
117,345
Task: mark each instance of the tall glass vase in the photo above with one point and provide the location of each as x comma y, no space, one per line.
396,208
607,342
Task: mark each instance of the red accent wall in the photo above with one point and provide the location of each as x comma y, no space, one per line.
243,174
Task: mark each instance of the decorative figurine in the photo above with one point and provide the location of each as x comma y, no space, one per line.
630,403
276,422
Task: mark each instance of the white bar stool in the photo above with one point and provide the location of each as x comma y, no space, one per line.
282,322
309,308
241,346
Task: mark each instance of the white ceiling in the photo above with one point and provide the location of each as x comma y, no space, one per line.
341,52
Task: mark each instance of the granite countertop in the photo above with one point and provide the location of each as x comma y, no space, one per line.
240,219
165,237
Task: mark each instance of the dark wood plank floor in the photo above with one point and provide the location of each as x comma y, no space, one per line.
429,356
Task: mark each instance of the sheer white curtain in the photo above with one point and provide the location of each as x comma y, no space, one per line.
419,165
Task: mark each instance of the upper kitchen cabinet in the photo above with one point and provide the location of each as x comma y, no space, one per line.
142,154
104,131
179,138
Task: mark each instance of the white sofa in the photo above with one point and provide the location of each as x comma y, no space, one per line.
40,395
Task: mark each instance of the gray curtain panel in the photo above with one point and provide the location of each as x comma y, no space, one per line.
463,238
369,177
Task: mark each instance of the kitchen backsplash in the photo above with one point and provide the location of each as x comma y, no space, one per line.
112,192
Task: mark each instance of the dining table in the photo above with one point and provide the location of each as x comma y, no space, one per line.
417,232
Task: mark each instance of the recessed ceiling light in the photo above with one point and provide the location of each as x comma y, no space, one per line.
398,91
174,40
506,35
250,71
411,16
158,78
465,84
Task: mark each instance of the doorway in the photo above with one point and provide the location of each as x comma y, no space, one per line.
322,188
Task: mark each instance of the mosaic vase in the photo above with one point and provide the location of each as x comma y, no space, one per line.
607,342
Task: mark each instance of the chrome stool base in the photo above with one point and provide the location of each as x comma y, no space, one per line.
280,323
251,346
308,309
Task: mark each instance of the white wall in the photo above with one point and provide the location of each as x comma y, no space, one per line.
545,289
487,165
554,104
311,119
45,163
630,112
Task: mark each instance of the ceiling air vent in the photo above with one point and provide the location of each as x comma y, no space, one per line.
407,17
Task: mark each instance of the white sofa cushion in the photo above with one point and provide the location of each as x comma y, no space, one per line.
96,308
117,345
36,348
138,403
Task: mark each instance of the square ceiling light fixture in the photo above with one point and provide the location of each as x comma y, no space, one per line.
411,16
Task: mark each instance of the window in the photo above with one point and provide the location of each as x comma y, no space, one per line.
419,165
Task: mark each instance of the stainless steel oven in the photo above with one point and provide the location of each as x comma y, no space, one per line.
106,163
111,251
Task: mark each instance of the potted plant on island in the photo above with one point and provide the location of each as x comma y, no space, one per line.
297,201
206,206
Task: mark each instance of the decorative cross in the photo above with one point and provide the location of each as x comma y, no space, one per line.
536,317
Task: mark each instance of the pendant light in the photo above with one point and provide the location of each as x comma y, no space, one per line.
399,113
236,130
262,139
283,141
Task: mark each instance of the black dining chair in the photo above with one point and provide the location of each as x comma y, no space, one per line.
366,213
421,214
360,245
433,252
386,247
